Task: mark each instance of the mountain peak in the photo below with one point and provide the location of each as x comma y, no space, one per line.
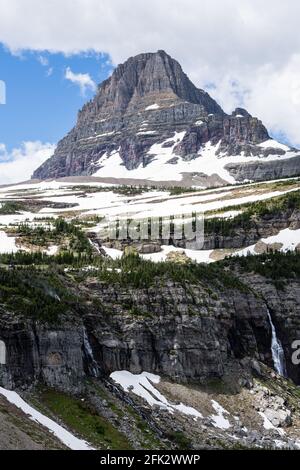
148,113
152,77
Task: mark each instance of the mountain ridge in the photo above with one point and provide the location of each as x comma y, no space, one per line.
149,109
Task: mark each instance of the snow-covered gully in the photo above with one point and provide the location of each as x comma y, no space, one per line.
61,433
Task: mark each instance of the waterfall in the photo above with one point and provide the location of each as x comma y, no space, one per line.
2,353
93,367
277,350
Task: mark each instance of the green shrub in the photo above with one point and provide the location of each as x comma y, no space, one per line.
11,207
35,294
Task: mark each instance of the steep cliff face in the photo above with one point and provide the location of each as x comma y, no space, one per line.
185,333
36,353
149,108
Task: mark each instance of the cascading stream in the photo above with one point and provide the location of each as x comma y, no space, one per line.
93,367
277,351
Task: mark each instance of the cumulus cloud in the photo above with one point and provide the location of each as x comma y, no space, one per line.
245,51
83,80
19,164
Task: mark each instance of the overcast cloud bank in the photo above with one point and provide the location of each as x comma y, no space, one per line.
244,52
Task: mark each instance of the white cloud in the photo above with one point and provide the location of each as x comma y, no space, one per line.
249,49
43,61
49,71
83,80
19,164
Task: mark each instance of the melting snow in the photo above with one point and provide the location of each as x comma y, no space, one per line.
287,237
62,434
200,256
97,136
224,215
271,143
158,169
7,244
152,106
141,385
145,133
52,250
113,252
16,218
218,420
208,162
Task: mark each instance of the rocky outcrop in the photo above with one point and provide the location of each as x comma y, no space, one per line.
188,334
259,170
146,101
273,407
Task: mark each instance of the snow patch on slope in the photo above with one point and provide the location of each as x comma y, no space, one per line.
218,419
7,244
62,434
209,161
141,385
158,169
151,107
200,256
287,237
271,143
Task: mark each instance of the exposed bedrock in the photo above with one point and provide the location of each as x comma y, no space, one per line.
259,171
190,334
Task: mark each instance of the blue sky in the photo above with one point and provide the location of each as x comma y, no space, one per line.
41,101
41,104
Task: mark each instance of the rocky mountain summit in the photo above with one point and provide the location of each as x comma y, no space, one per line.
149,122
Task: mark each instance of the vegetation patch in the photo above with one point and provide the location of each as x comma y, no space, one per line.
43,287
251,213
274,266
11,207
68,235
84,421
132,270
32,293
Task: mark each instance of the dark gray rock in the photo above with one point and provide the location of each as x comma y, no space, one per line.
259,171
53,356
185,334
